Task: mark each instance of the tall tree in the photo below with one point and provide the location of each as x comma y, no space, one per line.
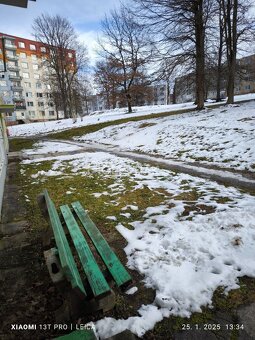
126,42
181,28
64,56
106,77
238,30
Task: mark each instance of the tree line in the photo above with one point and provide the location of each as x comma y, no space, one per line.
151,40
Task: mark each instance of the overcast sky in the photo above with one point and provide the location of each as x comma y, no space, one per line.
85,15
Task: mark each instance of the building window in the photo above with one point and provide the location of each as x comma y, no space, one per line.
30,104
27,84
51,113
35,67
29,94
38,85
23,55
31,113
247,87
48,86
37,76
50,104
3,83
25,75
24,65
22,114
43,49
32,47
40,104
21,44
10,54
70,55
39,95
42,113
33,57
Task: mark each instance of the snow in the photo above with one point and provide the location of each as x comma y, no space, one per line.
131,291
223,136
44,147
100,117
185,248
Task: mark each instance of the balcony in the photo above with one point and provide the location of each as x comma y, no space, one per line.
20,107
13,68
18,98
16,88
12,57
10,46
13,77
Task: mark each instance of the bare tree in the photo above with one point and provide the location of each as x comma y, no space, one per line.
181,28
127,44
106,77
238,29
64,56
84,90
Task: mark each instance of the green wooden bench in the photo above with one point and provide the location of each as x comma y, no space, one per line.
68,229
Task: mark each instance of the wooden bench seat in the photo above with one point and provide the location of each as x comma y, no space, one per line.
78,248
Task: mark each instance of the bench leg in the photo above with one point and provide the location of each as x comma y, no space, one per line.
74,306
53,265
104,303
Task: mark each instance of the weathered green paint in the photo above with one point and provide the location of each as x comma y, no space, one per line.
117,270
79,335
94,275
65,254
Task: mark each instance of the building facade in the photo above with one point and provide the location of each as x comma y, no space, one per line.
23,82
244,82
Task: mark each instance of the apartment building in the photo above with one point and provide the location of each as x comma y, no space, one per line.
24,81
244,81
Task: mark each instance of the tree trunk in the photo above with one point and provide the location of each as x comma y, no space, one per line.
174,93
129,104
232,48
220,51
200,55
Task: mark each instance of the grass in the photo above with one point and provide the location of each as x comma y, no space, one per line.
18,144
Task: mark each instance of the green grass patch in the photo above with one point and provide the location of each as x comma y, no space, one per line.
18,144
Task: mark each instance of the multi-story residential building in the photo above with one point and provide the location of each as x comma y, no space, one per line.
24,80
160,94
244,81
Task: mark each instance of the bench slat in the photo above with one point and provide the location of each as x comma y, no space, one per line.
95,277
65,254
112,262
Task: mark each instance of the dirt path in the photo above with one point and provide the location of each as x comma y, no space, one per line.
239,179
27,294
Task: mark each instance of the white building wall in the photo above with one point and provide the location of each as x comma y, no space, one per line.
3,160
